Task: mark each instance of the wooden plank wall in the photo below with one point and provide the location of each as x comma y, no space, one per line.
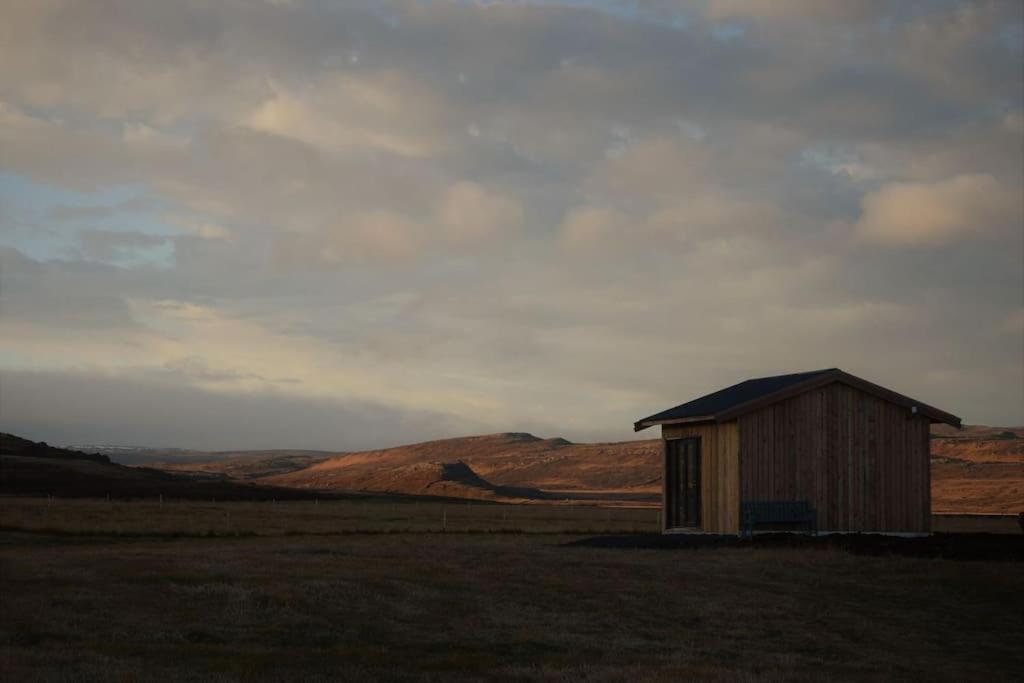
720,475
861,461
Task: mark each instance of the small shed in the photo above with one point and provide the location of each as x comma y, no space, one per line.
853,453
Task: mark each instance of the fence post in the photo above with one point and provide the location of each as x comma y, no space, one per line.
444,519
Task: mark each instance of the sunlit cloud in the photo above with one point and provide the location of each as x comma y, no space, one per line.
541,216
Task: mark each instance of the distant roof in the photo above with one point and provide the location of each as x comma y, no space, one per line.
754,393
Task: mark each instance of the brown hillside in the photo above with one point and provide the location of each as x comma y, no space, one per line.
182,459
31,468
447,479
978,469
244,467
505,460
980,444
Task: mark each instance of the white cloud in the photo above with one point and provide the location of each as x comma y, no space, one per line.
659,168
470,214
464,217
934,214
529,245
591,227
830,10
374,236
384,111
701,220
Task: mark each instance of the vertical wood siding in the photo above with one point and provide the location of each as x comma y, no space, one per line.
861,461
720,475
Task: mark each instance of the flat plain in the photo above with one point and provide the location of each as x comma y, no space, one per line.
108,590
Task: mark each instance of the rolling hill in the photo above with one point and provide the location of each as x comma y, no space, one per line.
187,459
977,469
513,460
242,466
448,479
36,468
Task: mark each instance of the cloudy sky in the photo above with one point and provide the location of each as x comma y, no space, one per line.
352,224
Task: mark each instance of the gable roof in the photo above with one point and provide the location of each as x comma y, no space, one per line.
752,394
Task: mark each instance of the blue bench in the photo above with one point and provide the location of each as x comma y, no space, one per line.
777,512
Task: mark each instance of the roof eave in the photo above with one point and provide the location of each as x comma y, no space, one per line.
931,412
949,419
648,422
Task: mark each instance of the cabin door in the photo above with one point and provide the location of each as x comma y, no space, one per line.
682,470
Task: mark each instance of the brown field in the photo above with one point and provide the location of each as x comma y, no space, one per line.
136,591
267,518
977,488
978,470
975,524
974,470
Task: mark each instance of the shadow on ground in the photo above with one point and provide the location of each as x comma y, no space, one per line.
978,547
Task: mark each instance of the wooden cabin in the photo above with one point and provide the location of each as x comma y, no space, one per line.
854,453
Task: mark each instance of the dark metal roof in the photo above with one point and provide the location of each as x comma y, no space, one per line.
730,397
733,400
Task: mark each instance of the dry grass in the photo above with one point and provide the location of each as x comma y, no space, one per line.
463,606
975,524
978,487
191,518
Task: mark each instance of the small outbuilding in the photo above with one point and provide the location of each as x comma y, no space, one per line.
821,448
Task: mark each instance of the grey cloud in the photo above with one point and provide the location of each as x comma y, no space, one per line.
77,407
194,368
111,246
61,296
735,170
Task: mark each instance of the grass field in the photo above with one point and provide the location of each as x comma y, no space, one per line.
191,518
109,592
972,523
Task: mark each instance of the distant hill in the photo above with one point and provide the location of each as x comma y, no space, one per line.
624,471
16,446
183,458
976,432
243,466
448,479
36,468
976,469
